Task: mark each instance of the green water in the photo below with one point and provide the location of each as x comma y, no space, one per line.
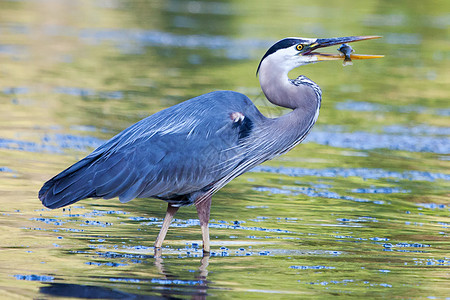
359,210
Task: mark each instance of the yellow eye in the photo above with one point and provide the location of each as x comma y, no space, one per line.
299,47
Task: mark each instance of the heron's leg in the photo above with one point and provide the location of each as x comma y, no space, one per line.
171,210
203,207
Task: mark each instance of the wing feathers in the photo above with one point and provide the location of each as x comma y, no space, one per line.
175,152
134,191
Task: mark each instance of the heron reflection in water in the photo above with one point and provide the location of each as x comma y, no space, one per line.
169,284
197,288
187,152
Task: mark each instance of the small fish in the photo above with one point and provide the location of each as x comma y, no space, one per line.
347,51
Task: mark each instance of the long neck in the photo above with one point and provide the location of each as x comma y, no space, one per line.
302,95
276,86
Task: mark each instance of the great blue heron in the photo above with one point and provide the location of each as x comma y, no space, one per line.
187,152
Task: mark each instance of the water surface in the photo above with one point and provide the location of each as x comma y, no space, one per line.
360,209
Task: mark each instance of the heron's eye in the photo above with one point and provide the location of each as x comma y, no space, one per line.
299,47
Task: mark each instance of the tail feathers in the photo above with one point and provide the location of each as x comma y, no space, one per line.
52,200
119,174
69,186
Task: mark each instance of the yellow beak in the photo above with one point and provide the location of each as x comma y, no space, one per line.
322,43
326,56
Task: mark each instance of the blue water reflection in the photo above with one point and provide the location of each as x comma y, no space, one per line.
360,210
364,173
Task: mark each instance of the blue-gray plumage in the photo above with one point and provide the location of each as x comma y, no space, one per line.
187,152
174,154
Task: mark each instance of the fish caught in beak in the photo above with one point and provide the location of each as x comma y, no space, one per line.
321,43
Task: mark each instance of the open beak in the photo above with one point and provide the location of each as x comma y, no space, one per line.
321,43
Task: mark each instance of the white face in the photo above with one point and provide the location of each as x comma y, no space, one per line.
291,57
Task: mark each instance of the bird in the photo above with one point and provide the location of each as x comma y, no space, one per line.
186,153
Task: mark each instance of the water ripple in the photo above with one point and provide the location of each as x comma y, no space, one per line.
134,40
34,277
312,267
352,105
311,192
84,92
364,173
417,130
380,190
369,141
6,170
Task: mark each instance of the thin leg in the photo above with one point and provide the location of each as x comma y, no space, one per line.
203,207
171,210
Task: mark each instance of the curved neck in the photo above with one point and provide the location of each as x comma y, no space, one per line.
275,84
281,91
301,95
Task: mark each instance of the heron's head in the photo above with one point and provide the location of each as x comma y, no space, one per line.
290,53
